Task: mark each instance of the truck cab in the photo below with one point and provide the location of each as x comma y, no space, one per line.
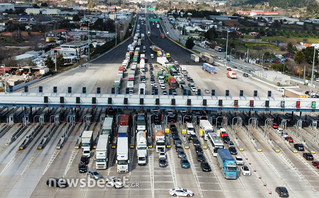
190,129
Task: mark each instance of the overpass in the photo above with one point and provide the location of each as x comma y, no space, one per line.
126,101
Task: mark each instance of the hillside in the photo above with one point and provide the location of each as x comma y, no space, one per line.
276,3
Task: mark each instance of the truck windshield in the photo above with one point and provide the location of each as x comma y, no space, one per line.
122,162
141,148
160,143
100,160
231,169
86,145
142,158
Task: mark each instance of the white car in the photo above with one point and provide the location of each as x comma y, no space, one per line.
181,192
207,91
239,160
152,55
245,170
193,89
284,135
280,130
114,182
163,86
162,155
143,81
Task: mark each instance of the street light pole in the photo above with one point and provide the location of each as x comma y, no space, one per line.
313,66
4,76
226,48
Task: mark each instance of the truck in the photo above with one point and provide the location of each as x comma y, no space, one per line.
162,60
141,147
231,75
107,126
140,123
155,48
141,89
206,126
208,58
125,119
209,68
139,42
142,36
101,152
190,129
120,74
195,58
142,65
130,86
172,82
219,49
159,138
122,160
184,70
131,77
86,143
227,164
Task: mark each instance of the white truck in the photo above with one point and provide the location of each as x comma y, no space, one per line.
122,160
195,58
101,152
142,36
130,86
107,126
139,42
159,138
141,147
162,60
190,129
206,126
142,64
141,89
86,143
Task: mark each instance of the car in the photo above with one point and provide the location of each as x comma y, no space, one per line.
239,160
231,144
196,142
162,155
174,92
185,163
94,174
308,156
207,91
57,182
143,81
299,147
181,154
198,149
155,85
228,69
280,130
178,145
200,157
162,162
233,150
83,167
226,139
282,191
152,55
85,159
245,170
114,182
205,166
284,135
275,125
181,192
245,75
289,139
164,92
315,164
193,137
281,89
163,86
193,89
175,136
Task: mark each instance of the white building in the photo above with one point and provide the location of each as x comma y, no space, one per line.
274,77
6,6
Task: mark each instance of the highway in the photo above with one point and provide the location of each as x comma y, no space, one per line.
23,173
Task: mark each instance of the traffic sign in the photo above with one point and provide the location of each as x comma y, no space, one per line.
153,19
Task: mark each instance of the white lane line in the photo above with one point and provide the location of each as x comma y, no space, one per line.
151,169
54,155
74,153
31,161
171,165
194,172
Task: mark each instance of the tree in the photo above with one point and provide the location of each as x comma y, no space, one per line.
290,47
309,55
211,34
59,60
49,62
299,57
110,25
76,18
190,43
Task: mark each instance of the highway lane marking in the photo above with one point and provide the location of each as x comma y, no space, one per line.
73,155
31,161
172,166
54,155
151,169
190,157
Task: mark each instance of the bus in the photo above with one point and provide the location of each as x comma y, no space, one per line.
214,143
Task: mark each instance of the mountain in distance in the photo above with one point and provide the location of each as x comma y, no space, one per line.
276,3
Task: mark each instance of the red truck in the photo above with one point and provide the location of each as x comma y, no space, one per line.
124,121
172,82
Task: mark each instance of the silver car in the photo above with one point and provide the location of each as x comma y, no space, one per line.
94,174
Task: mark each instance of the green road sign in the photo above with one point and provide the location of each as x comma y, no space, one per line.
151,9
153,19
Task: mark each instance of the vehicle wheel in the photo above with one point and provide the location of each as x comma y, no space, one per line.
188,195
175,195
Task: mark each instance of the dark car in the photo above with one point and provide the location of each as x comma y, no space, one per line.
177,141
173,128
205,166
315,164
233,150
185,163
175,136
282,191
308,156
57,182
198,149
200,157
196,142
162,162
83,167
181,154
226,139
193,137
245,75
178,145
299,147
85,159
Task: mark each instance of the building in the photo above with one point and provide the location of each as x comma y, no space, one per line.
256,13
273,77
6,6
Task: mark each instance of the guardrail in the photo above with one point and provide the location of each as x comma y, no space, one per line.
65,136
17,133
29,138
47,137
5,130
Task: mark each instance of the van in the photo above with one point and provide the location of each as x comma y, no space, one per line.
152,55
190,129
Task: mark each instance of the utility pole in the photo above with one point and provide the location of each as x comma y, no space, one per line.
226,48
313,66
56,68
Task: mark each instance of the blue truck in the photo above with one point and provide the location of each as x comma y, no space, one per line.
227,164
209,68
